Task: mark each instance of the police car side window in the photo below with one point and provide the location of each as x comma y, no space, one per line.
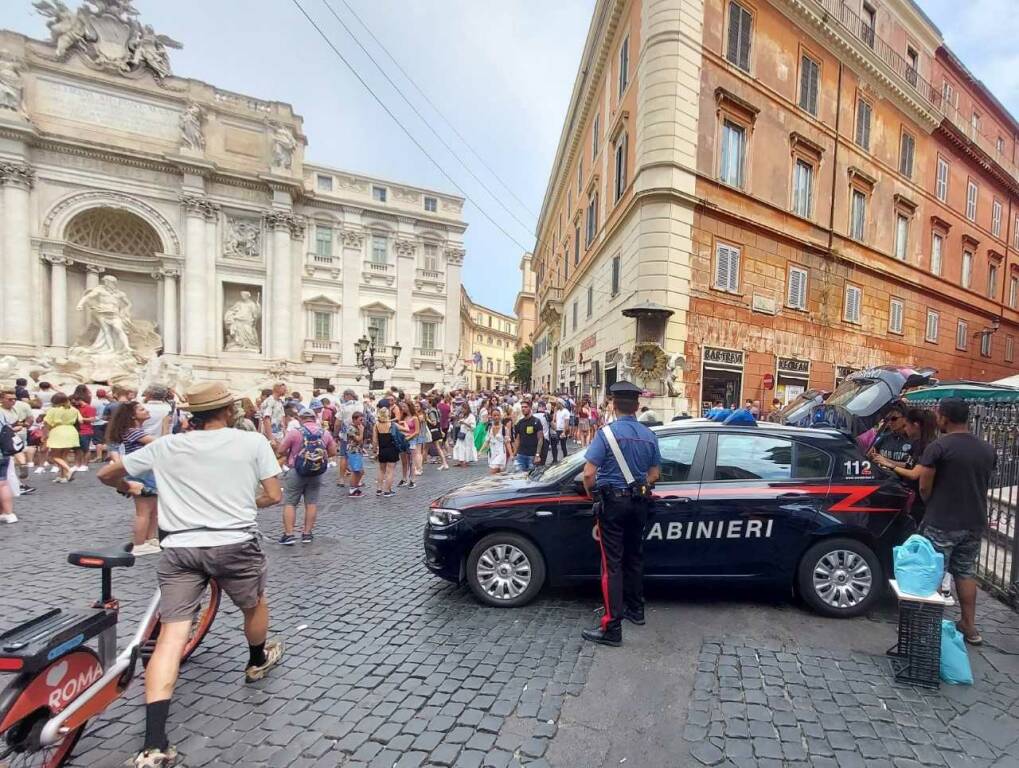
753,457
811,463
678,453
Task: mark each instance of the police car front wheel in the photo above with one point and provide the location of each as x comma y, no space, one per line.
840,577
505,570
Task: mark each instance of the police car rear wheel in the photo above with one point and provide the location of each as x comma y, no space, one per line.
505,570
840,577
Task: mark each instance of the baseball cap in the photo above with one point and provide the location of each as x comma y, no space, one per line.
306,413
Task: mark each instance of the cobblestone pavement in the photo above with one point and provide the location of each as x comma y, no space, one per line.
386,665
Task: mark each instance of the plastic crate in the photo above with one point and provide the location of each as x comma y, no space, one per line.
917,655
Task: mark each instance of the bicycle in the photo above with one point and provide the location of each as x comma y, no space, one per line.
61,683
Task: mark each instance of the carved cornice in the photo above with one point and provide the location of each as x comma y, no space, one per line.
904,203
455,256
940,223
56,260
297,227
16,174
405,247
968,239
279,220
729,101
353,238
195,205
800,142
858,175
167,272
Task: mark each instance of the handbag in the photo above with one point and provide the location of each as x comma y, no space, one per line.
399,439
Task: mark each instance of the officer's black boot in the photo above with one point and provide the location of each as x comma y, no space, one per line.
634,616
612,634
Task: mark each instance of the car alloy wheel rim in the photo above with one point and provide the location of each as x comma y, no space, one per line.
842,578
504,572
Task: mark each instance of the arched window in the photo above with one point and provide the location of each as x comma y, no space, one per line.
113,231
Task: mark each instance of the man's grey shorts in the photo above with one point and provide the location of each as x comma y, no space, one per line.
297,486
960,548
240,570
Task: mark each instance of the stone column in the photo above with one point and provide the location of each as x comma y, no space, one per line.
451,326
297,320
350,323
170,313
279,316
58,299
16,265
213,311
195,296
406,265
92,273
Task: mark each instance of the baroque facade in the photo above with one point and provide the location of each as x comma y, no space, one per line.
488,339
145,212
524,307
809,187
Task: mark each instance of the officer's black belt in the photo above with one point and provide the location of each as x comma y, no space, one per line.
609,492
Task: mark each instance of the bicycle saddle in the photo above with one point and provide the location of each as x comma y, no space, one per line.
111,558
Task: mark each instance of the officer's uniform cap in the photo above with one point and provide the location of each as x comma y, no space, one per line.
625,389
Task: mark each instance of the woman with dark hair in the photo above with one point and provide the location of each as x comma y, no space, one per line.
921,429
61,434
126,428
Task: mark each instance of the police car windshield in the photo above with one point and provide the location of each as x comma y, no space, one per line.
568,468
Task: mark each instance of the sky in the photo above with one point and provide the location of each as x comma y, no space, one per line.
502,72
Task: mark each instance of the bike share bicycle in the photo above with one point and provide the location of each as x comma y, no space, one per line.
61,682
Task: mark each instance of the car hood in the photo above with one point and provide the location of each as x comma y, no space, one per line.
490,489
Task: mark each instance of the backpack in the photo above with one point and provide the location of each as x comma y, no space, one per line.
311,459
10,443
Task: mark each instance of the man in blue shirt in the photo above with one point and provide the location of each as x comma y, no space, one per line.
622,496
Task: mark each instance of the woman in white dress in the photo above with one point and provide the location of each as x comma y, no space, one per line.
464,452
496,441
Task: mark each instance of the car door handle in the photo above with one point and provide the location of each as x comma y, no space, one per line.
675,500
543,513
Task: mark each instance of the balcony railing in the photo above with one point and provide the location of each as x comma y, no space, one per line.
379,268
986,143
431,274
429,353
322,259
848,19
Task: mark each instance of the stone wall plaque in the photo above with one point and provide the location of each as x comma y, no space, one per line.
764,304
112,111
243,141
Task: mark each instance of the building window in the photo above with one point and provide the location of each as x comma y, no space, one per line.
914,64
895,307
1013,291
858,215
941,184
592,220
740,28
948,94
796,296
323,326
575,306
324,183
323,241
851,304
869,24
992,280
901,237
624,65
996,218
907,145
975,122
863,114
576,245
937,247
734,138
1009,349
727,268
595,131
810,76
999,145
428,335
966,277
971,201
431,257
431,204
590,300
985,344
961,335
377,331
379,249
615,275
621,143
803,188
379,194
488,360
931,331
566,261
580,177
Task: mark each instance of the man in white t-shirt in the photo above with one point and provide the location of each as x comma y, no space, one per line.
273,421
208,504
159,408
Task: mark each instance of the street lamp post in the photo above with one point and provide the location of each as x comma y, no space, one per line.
370,360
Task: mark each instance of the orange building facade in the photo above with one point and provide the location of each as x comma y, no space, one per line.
842,194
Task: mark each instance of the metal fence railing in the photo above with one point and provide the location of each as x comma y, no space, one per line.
998,566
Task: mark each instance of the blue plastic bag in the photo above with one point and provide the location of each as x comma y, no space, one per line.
955,669
919,567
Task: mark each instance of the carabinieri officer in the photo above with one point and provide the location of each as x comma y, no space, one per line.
622,466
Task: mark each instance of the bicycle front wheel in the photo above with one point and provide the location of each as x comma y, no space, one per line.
201,622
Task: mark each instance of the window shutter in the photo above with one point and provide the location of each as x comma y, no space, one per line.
722,268
734,24
744,39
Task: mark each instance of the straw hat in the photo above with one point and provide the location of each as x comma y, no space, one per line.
209,396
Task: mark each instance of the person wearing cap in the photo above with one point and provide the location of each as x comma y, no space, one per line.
208,507
307,486
621,488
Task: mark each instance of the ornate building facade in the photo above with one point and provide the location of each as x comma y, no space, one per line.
799,188
146,212
488,339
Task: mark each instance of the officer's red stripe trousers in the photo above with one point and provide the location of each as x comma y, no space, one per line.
607,615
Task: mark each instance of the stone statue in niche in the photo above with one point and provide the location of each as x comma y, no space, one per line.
11,87
283,146
243,238
110,312
241,322
192,120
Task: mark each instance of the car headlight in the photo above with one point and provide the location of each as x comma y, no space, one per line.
442,517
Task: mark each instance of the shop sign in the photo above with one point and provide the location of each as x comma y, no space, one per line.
610,356
589,342
800,368
723,356
568,355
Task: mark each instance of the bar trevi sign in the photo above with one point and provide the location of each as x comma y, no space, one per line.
723,356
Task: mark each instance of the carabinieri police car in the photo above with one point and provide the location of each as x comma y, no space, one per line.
783,506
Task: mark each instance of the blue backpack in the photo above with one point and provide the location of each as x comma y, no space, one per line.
312,459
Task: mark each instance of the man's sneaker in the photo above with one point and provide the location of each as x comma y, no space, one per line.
27,489
378,491
401,483
10,517
355,492
156,758
273,654
288,540
146,549
40,470
411,484
307,538
388,494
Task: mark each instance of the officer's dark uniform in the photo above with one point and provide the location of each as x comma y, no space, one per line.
621,511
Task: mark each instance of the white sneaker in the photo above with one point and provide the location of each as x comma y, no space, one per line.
40,470
81,469
31,464
146,549
54,470
10,517
153,542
